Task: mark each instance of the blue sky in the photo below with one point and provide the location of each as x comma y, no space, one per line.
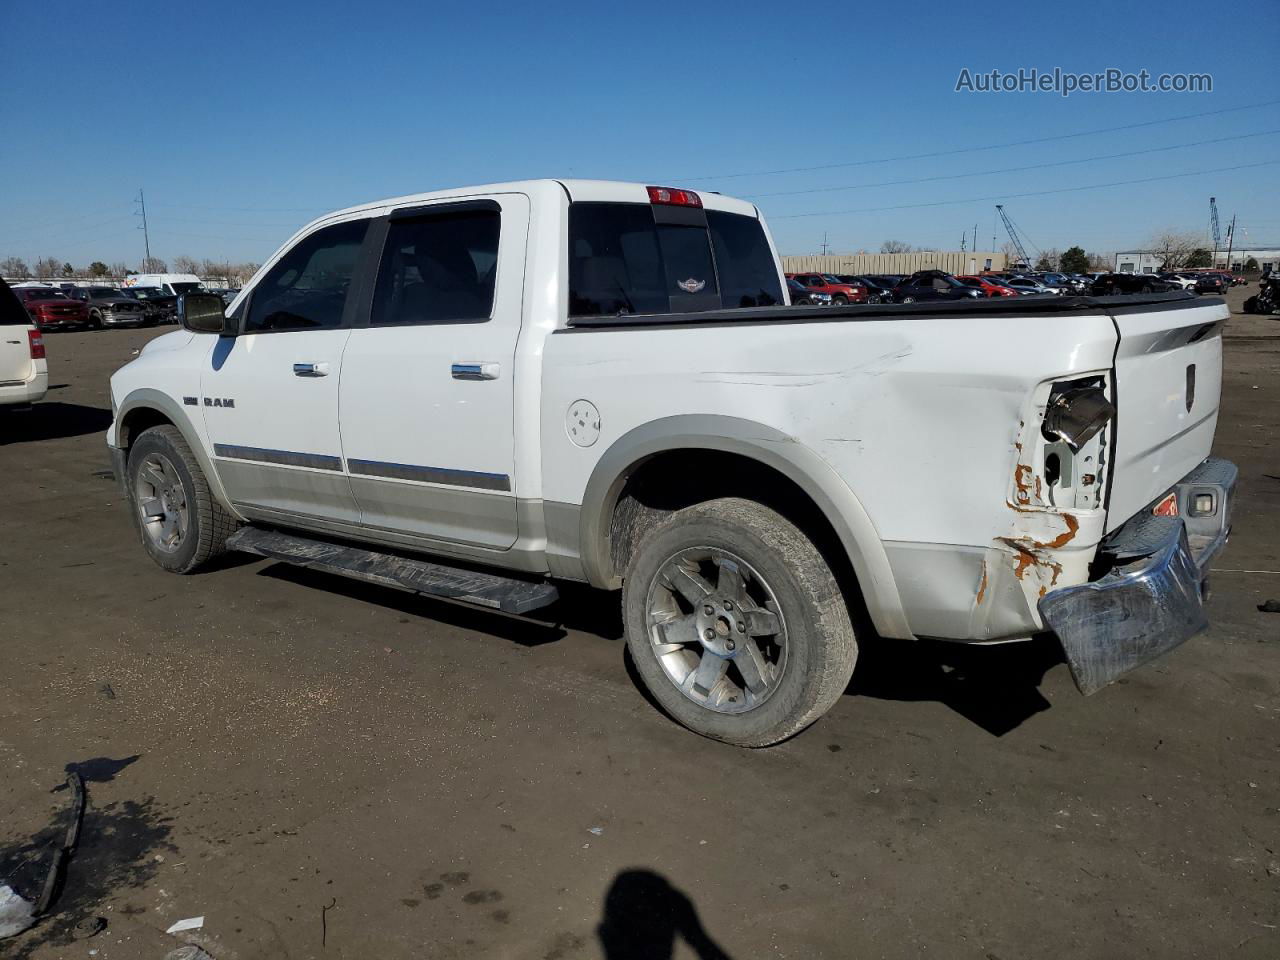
245,124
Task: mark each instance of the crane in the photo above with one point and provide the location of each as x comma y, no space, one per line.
1023,259
1214,228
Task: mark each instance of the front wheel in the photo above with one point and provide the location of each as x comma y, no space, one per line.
181,525
736,624
907,300
839,299
95,320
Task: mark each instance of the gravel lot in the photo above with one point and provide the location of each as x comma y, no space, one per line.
324,769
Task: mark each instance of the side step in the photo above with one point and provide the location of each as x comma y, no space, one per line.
416,576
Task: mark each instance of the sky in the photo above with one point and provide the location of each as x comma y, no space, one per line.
243,121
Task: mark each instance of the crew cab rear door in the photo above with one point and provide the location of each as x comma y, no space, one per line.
1168,372
427,395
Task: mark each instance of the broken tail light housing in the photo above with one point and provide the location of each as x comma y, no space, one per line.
674,197
35,340
1075,415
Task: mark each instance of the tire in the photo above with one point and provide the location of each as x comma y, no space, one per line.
840,299
95,320
907,300
795,640
168,495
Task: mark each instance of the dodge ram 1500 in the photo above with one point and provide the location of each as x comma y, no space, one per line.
476,393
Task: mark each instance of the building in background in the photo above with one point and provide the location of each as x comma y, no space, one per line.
1149,261
952,261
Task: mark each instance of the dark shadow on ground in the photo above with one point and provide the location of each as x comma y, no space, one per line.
117,849
643,916
994,686
579,608
52,421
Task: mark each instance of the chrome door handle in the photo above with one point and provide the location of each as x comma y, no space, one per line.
474,370
311,369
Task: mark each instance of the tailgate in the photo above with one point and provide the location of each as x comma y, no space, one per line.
15,354
1168,385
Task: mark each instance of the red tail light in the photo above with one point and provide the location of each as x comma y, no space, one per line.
674,197
36,340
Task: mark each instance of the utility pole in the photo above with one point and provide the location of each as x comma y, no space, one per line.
146,237
1231,236
964,238
824,243
975,238
1213,229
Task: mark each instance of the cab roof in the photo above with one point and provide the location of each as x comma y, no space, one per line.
596,191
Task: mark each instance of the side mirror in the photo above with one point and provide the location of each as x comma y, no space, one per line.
205,313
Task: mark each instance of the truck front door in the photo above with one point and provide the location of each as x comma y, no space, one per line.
269,397
428,426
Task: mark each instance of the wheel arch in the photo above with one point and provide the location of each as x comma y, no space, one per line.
147,407
769,451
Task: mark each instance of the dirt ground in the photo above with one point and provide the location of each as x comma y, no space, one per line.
324,769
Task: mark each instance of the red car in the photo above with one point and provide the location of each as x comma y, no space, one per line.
52,309
825,283
989,285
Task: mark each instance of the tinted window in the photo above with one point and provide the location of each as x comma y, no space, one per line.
98,292
438,269
621,260
12,313
184,287
307,288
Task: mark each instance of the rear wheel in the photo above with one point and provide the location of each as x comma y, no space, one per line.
736,624
180,523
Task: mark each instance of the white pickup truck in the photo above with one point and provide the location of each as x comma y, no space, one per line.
604,382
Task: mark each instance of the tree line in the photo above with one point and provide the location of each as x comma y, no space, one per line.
51,268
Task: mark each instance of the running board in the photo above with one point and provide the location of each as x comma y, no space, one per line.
388,570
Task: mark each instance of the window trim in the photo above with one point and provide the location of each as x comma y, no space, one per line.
381,233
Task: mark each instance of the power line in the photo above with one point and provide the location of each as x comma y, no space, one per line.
1017,196
987,146
1033,166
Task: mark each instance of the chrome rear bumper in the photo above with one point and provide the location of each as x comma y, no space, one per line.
1152,598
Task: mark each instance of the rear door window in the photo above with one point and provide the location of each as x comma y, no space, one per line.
438,269
624,260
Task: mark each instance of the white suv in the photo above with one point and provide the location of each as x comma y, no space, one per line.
24,375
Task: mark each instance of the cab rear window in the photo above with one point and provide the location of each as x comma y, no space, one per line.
631,258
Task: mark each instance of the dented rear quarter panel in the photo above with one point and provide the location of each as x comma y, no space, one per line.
921,417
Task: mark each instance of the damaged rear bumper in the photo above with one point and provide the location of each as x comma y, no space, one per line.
1152,599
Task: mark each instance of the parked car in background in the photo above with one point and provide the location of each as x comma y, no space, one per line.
933,285
1180,281
1210,283
156,306
877,292
173,284
230,294
1111,283
988,285
108,307
1061,282
51,309
1030,286
24,372
803,296
166,301
827,283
